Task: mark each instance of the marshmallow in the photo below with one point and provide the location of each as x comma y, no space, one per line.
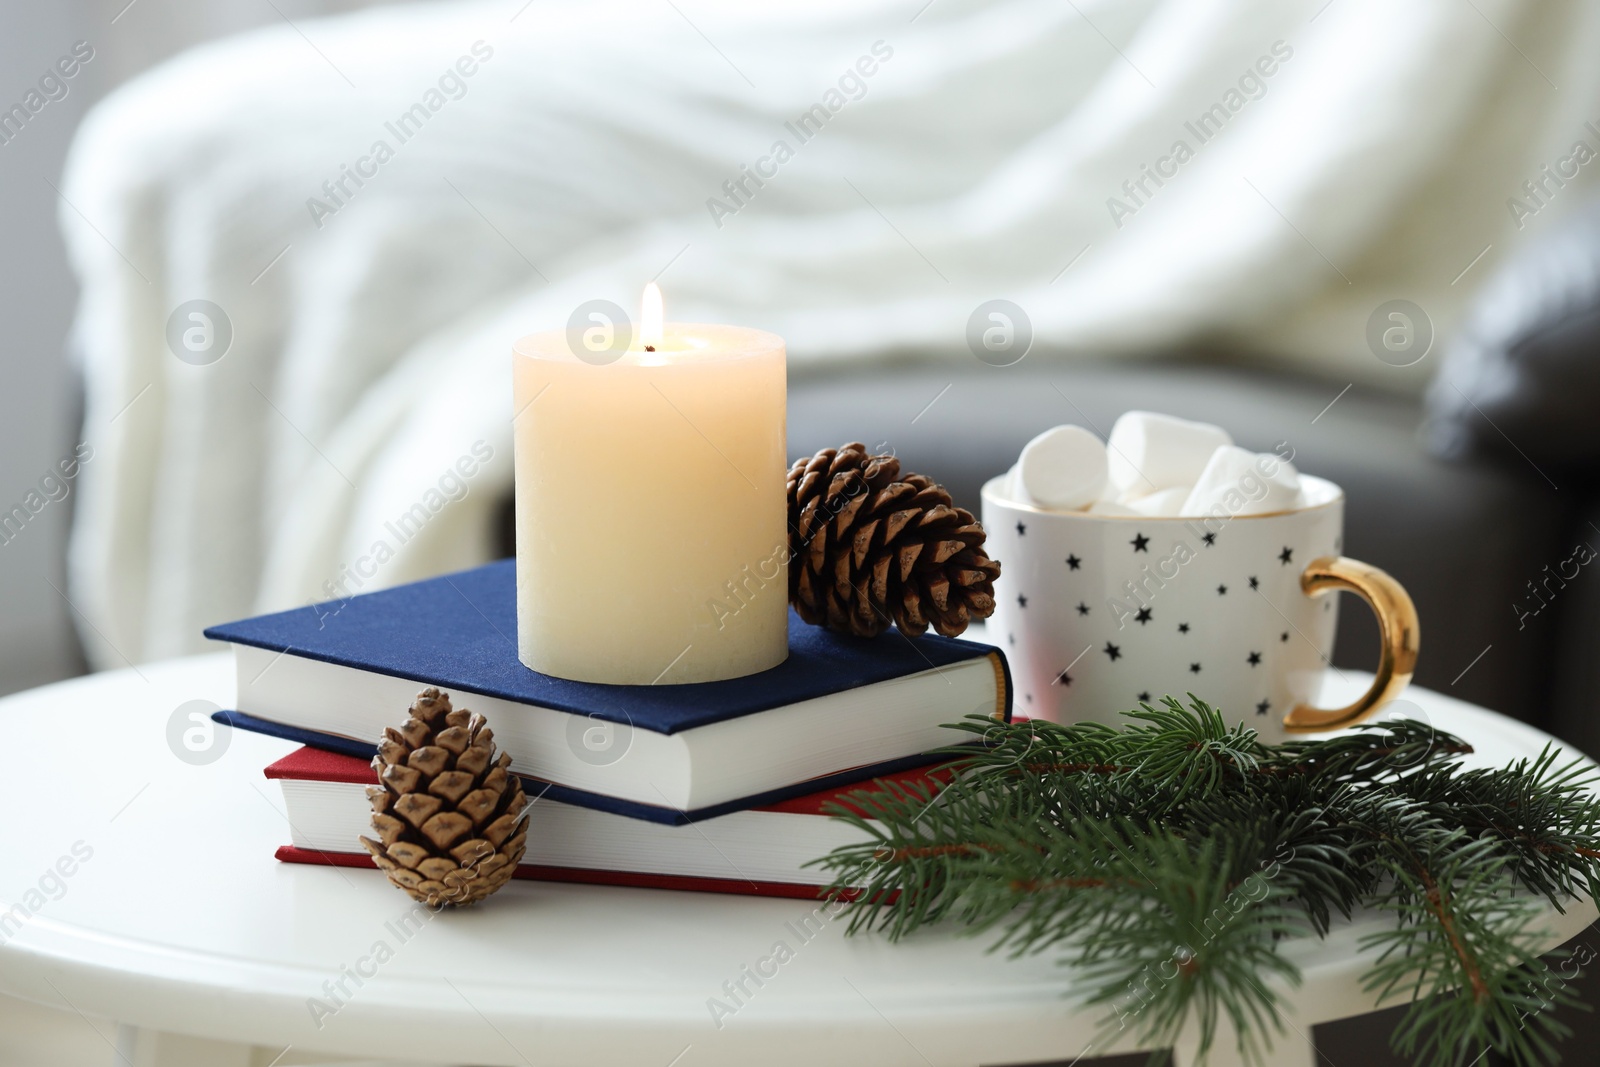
1164,504
1147,452
1064,468
1239,482
1111,508
1011,487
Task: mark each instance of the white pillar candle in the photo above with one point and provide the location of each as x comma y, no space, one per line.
651,502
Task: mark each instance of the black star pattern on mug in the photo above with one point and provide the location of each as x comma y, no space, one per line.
1143,617
1284,636
1254,659
1210,539
1140,543
1073,561
1063,679
1255,583
1194,668
1030,698
1083,609
1022,601
1022,529
1222,590
1144,697
1011,639
1183,627
1287,555
1263,707
1113,651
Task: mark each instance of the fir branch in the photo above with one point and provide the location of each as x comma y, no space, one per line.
1462,950
1370,751
1195,941
1544,816
1166,862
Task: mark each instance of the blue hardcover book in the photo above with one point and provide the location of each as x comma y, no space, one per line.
838,709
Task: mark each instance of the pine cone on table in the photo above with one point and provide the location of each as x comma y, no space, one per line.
451,818
870,545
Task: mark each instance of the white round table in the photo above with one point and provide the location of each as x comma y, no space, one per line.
181,926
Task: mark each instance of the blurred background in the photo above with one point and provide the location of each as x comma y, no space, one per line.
39,292
264,259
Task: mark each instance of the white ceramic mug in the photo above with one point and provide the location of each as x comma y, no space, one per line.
1100,613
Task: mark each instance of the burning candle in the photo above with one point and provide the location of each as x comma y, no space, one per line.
650,500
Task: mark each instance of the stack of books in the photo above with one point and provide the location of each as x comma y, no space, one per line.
718,786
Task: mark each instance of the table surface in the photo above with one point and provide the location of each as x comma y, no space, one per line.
180,920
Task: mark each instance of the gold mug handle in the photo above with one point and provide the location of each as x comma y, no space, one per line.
1398,638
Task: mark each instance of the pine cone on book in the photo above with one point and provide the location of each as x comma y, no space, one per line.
451,818
869,545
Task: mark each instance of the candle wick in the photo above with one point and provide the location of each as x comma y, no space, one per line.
649,348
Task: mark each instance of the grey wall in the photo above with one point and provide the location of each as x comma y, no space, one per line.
38,397
37,404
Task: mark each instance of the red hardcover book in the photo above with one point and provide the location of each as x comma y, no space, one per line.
757,852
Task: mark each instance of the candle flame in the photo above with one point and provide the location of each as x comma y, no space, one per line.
651,316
